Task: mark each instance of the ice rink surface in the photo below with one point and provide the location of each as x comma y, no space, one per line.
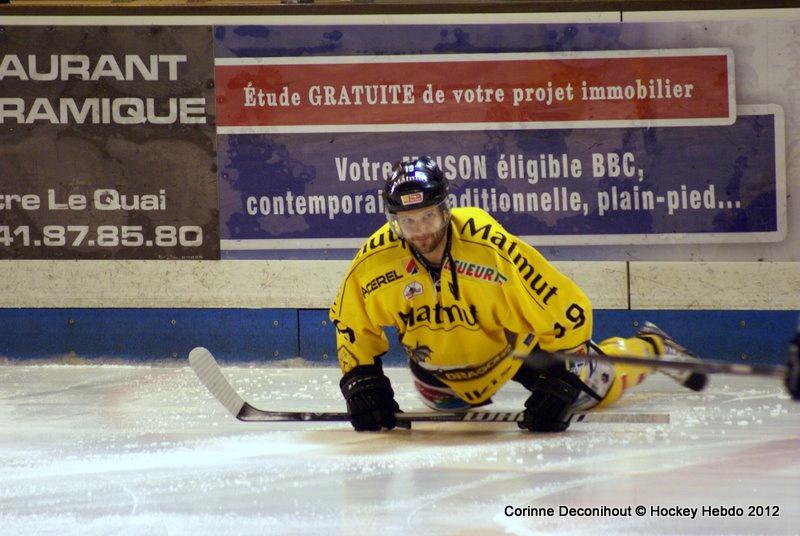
140,450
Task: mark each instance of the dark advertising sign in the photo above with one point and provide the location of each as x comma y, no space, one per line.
107,145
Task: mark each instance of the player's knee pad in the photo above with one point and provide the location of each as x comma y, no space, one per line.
634,346
627,375
597,375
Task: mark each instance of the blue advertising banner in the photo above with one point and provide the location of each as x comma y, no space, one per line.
317,191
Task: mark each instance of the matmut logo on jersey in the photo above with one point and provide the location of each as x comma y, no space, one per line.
508,244
440,315
477,271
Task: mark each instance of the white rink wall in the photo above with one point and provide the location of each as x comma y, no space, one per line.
313,284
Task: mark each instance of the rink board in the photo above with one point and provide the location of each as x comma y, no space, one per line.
272,335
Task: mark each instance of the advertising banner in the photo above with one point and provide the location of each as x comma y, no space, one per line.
565,133
569,134
476,91
107,146
581,186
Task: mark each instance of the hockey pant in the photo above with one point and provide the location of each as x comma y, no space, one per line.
436,394
609,381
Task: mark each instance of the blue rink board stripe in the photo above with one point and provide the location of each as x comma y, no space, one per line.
261,335
148,334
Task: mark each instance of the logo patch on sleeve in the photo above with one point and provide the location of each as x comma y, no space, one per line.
412,289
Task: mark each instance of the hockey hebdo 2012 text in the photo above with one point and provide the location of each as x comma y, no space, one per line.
673,511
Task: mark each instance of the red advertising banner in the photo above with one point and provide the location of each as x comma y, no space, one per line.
476,91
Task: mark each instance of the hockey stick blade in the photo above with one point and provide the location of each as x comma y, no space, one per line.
210,374
207,369
539,360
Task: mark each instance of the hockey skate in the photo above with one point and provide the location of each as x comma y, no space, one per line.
667,347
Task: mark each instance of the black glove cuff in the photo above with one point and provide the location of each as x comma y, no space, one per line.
558,387
365,378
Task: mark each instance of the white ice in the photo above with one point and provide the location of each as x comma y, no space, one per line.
103,449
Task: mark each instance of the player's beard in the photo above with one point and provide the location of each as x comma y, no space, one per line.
426,243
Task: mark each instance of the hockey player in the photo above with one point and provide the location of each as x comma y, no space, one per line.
466,296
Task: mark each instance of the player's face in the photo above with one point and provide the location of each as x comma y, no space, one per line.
424,228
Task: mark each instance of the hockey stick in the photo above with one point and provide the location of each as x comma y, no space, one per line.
541,360
210,374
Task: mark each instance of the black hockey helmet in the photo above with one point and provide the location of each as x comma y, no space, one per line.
415,184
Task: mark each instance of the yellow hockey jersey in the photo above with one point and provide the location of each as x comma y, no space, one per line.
509,300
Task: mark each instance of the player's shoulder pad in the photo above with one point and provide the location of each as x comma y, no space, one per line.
476,224
383,247
381,240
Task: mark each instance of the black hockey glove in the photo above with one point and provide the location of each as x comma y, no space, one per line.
553,392
370,398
